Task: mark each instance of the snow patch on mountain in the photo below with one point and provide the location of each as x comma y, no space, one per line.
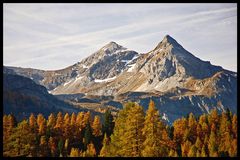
84,66
131,67
66,83
104,80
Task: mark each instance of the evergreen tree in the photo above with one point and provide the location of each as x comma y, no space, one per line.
60,146
87,135
108,123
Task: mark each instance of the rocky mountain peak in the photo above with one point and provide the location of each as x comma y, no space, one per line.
167,42
112,47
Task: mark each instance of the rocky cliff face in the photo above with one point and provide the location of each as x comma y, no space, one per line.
178,81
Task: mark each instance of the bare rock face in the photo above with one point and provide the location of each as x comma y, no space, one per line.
170,71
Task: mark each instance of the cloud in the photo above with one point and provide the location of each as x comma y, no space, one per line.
56,31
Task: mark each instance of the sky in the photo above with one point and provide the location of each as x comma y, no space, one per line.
55,36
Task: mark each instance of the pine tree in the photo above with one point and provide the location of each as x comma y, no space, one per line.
87,135
152,132
60,146
108,124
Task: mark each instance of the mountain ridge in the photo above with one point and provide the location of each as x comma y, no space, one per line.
169,70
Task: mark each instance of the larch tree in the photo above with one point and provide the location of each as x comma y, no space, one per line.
193,151
186,146
172,153
117,138
90,152
105,148
51,121
192,125
133,141
212,145
66,126
74,152
152,133
40,119
44,149
52,146
203,151
180,125
234,126
21,140
33,123
59,124
97,127
42,128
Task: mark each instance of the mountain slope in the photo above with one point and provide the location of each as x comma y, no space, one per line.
178,81
23,96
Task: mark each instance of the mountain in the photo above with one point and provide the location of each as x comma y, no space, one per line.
175,79
22,96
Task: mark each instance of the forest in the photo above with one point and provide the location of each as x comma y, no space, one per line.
133,133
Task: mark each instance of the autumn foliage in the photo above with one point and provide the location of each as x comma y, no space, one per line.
133,133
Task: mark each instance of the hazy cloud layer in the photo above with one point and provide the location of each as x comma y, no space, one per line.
54,36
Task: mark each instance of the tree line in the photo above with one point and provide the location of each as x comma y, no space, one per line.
133,133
